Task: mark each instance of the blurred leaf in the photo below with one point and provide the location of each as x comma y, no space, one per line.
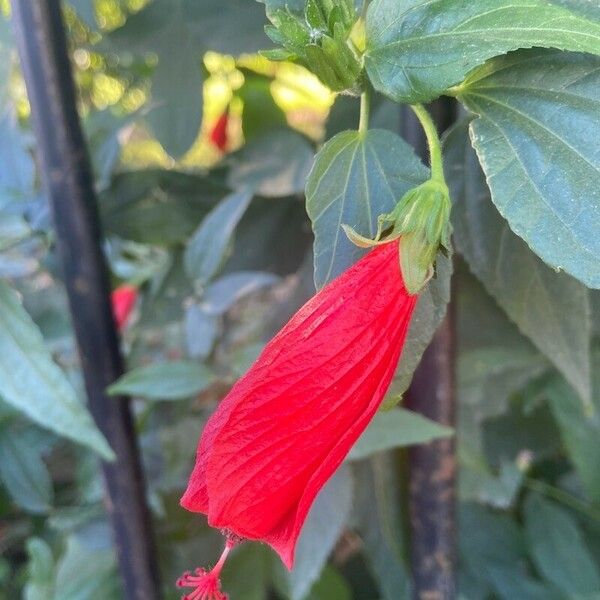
558,550
494,361
261,113
32,383
429,313
13,229
154,206
330,586
201,330
506,436
86,574
222,294
488,540
416,50
511,583
275,164
208,246
551,308
245,576
243,358
579,431
40,584
321,531
272,236
23,471
17,172
379,524
355,178
395,429
535,137
173,380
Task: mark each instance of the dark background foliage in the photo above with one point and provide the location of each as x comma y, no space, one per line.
220,246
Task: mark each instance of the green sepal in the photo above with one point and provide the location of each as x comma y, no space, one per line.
293,29
314,15
416,261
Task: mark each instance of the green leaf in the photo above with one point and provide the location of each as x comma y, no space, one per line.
551,308
536,138
201,330
579,431
379,524
85,573
33,384
429,313
40,583
417,49
396,428
207,249
330,586
246,574
274,164
156,206
558,549
321,531
23,471
355,178
173,380
221,295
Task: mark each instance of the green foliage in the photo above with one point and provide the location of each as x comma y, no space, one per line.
551,308
218,245
34,385
175,380
418,49
535,138
355,178
395,429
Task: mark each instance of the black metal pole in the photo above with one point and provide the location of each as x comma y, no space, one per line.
68,179
432,467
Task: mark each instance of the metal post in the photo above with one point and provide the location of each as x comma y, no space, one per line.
68,180
432,467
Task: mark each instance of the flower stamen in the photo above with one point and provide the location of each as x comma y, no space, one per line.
207,584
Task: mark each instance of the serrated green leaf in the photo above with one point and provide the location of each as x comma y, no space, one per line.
274,164
355,178
23,471
207,248
396,428
173,380
417,49
536,138
551,308
33,384
557,548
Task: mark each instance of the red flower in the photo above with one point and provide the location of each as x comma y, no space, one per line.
287,425
123,300
218,134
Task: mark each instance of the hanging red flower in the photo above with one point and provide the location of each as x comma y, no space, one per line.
288,424
123,300
218,134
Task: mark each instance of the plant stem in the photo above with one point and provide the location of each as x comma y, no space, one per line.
433,141
365,109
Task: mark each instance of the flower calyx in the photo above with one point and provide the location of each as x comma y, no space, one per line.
421,220
321,40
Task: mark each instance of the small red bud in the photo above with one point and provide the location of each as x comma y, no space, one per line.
123,300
